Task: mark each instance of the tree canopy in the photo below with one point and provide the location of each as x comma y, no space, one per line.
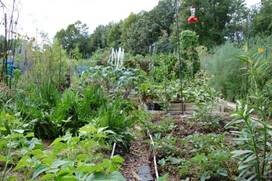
75,36
262,18
219,21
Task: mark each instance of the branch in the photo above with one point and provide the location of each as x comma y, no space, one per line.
2,4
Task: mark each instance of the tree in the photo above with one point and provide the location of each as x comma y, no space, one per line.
141,35
214,17
98,40
114,35
75,36
163,15
150,27
235,28
262,19
125,27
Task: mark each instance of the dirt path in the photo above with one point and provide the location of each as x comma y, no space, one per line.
138,162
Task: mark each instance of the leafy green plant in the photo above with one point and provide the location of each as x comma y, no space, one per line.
210,166
165,146
66,114
254,151
92,99
209,157
164,127
189,43
119,116
198,90
72,158
13,138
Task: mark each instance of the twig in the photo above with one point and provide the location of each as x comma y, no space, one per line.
113,150
154,156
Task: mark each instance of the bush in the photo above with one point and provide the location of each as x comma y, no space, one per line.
189,54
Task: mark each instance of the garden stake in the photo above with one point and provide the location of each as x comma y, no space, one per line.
179,56
113,150
154,155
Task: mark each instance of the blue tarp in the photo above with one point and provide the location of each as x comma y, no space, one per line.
10,66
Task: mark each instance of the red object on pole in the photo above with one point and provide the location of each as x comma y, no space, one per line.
192,19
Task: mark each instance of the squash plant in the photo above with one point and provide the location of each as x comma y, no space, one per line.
72,158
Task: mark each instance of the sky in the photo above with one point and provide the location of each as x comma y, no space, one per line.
49,16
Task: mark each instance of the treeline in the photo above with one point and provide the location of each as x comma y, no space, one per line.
219,21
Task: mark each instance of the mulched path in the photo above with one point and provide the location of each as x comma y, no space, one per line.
139,155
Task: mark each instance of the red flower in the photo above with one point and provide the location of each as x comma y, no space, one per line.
192,19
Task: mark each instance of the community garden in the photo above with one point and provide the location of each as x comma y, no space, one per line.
183,99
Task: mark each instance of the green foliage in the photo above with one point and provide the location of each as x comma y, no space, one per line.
35,105
66,114
211,166
93,99
13,139
150,27
254,149
228,77
98,40
209,157
262,19
199,156
5,96
74,39
165,126
198,90
166,149
126,25
119,80
189,54
119,116
214,19
114,36
73,158
165,67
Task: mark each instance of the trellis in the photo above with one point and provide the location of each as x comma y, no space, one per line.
116,58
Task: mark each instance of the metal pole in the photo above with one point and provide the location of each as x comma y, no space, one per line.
60,60
179,54
4,70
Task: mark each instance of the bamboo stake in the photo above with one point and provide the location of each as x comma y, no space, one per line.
113,150
154,156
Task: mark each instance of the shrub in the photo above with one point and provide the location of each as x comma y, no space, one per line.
189,54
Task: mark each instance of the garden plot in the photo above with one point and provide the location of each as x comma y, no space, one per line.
191,149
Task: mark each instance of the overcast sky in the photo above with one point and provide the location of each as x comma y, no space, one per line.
52,15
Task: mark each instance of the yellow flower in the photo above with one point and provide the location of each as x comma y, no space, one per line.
261,50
